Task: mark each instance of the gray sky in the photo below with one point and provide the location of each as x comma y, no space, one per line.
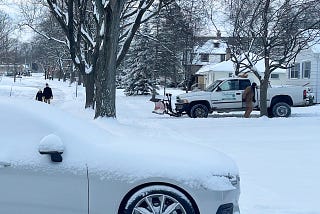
11,7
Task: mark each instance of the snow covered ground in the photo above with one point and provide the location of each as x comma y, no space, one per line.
278,158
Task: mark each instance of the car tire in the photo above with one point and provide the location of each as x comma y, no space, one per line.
158,199
199,111
281,109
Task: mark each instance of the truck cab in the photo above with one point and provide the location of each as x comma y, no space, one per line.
228,94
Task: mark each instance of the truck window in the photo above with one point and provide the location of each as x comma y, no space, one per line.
243,84
211,87
229,85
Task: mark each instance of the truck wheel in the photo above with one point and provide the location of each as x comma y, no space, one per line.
199,111
281,110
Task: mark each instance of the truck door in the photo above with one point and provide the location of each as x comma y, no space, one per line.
227,95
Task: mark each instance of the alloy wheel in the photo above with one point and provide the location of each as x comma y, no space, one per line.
158,204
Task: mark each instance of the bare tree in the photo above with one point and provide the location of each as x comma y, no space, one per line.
6,41
273,31
194,12
53,55
98,41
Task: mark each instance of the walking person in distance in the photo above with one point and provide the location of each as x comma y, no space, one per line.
39,95
47,94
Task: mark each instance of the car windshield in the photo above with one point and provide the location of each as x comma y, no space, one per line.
213,85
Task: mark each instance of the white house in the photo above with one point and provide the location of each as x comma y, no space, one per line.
227,69
211,52
306,70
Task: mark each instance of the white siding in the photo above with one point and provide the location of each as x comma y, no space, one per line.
214,59
314,81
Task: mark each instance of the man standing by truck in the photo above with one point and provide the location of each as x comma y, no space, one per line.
248,97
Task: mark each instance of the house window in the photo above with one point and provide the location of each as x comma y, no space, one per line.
306,69
216,44
295,71
274,76
204,57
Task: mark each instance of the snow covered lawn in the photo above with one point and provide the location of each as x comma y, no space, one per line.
278,158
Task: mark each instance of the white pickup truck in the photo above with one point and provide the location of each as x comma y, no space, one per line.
225,95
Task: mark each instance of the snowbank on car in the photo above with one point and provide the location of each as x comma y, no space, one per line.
25,123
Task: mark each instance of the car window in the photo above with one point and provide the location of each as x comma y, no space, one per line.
229,85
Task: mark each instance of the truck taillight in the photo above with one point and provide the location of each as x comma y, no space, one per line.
304,94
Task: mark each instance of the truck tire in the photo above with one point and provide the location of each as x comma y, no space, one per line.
281,110
199,111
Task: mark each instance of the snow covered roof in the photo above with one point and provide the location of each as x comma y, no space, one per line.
222,66
315,48
228,66
314,45
212,46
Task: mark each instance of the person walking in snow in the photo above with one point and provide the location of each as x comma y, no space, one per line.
39,95
47,94
248,97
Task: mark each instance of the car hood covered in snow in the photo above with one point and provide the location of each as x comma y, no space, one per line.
194,94
25,124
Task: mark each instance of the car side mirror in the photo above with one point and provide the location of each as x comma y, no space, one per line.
218,88
52,145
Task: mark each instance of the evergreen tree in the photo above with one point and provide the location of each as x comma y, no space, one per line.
139,79
172,32
157,49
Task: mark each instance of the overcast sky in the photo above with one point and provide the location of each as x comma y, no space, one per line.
11,7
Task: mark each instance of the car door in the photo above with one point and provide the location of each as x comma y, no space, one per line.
227,95
30,182
45,189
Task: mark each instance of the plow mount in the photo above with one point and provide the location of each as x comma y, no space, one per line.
164,105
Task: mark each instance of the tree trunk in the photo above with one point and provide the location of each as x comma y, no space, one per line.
60,72
80,80
107,61
264,89
263,97
89,86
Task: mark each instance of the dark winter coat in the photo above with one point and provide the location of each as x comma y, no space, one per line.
47,93
248,96
39,96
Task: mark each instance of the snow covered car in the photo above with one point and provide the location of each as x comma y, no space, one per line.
51,162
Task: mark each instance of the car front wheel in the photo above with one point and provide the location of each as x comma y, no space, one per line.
158,199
